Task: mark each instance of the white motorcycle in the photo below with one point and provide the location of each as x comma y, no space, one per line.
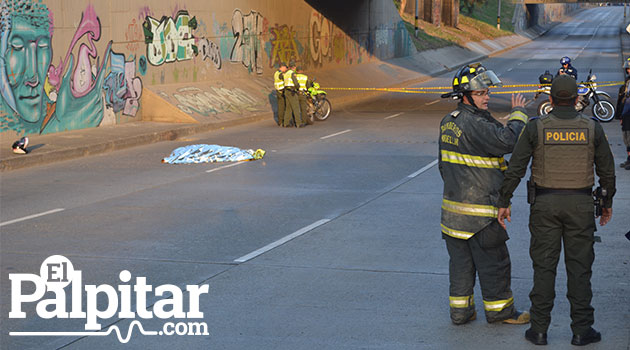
602,108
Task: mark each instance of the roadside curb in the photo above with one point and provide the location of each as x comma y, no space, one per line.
121,143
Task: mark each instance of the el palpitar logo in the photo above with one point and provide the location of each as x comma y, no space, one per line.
57,272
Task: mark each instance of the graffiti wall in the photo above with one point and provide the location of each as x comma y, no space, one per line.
86,65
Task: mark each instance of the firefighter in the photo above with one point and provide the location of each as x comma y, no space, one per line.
565,146
278,83
292,109
304,83
471,148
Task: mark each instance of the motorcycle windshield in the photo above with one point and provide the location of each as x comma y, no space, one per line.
485,80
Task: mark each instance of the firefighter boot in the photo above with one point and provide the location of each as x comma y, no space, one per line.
461,318
518,317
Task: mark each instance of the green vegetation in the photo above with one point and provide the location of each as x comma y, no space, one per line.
478,24
486,11
426,41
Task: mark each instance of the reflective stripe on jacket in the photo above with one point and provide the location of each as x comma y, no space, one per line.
278,80
302,79
288,79
471,148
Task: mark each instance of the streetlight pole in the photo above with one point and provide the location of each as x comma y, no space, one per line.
499,16
416,21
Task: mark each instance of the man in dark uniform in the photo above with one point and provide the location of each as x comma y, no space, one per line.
567,68
623,112
565,146
472,144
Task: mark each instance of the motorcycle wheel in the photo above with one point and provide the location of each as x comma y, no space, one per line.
544,108
310,120
604,111
322,112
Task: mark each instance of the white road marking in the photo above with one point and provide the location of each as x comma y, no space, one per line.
32,216
225,166
281,241
393,116
432,103
335,134
425,168
510,69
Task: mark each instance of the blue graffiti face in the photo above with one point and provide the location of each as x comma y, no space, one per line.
27,58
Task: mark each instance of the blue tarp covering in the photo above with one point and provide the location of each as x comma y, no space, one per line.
211,153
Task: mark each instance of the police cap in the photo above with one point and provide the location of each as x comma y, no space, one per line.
564,87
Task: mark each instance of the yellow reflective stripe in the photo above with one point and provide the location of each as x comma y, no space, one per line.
302,79
462,302
498,305
456,233
518,115
278,83
473,161
470,209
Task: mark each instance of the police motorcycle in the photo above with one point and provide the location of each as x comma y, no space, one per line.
319,106
602,108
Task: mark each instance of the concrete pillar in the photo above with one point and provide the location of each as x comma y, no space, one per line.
433,11
450,12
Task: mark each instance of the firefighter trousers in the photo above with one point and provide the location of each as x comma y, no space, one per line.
485,254
557,219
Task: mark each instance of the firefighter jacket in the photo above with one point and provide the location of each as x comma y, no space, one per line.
471,148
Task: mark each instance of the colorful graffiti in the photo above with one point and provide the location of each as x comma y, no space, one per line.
211,51
122,88
284,45
170,39
38,97
217,100
320,37
134,35
247,30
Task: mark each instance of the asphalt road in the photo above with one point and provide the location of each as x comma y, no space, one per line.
357,200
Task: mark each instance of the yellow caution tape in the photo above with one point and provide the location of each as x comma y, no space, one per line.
446,89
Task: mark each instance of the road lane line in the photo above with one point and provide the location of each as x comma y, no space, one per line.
393,116
32,216
223,167
281,241
335,134
432,103
425,168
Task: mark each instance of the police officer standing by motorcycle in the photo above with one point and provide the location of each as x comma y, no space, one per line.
292,109
567,68
564,146
304,83
472,144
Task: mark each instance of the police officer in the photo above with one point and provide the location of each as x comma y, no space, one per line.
565,146
304,84
292,109
567,68
278,83
624,92
472,144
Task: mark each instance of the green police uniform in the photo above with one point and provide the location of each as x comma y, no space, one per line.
565,146
278,83
292,109
303,83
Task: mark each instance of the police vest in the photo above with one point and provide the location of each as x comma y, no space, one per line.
564,155
278,82
288,81
302,79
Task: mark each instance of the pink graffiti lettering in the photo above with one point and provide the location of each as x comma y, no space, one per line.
83,77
